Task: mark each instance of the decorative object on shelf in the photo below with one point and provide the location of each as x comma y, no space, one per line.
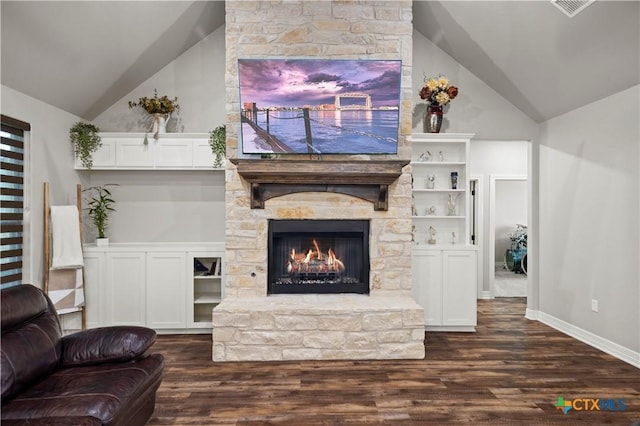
218,143
86,141
451,204
454,180
159,109
453,237
425,156
433,119
430,181
431,211
438,92
432,235
99,210
441,156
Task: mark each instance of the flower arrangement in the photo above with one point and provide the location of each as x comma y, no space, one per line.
156,105
438,91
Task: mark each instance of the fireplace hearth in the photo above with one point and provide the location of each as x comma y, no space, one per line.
318,256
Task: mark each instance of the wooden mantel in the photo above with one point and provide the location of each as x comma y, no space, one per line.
366,179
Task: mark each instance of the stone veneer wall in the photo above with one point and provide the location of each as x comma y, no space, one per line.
386,324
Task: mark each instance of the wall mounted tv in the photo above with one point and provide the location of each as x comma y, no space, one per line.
309,106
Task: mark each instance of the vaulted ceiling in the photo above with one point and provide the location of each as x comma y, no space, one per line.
84,56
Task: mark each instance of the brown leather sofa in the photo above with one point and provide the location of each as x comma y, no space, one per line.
101,376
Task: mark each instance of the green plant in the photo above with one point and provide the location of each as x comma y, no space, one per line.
86,141
100,207
218,142
156,105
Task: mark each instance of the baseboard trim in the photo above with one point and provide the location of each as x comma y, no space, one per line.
600,343
531,314
451,328
485,295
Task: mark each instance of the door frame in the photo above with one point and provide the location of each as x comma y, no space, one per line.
479,228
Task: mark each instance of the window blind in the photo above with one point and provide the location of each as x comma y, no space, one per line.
11,199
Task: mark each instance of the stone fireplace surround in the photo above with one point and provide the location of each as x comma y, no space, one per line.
387,323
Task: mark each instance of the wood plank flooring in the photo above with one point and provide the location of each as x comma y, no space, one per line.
511,371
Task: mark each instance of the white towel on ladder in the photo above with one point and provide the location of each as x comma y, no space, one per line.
65,233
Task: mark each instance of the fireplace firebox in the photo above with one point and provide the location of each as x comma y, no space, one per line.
318,256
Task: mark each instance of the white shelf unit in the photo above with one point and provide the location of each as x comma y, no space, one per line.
449,152
152,285
207,286
444,273
171,151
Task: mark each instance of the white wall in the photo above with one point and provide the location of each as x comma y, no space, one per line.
50,159
477,108
196,77
589,209
166,206
510,209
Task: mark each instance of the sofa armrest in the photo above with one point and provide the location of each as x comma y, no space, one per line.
106,344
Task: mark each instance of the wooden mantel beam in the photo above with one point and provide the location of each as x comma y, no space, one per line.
366,179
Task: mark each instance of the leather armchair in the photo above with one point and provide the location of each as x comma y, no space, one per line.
102,376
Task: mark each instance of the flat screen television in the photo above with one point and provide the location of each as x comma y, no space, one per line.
319,106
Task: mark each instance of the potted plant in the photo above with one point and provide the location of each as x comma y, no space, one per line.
159,108
218,143
86,141
99,210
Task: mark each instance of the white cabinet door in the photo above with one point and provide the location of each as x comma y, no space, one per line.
124,293
173,153
133,153
459,301
104,157
444,284
166,290
94,282
427,284
202,154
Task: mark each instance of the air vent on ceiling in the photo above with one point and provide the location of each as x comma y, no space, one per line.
571,7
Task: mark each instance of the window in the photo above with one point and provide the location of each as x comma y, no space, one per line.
11,199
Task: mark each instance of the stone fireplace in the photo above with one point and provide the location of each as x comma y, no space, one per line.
379,320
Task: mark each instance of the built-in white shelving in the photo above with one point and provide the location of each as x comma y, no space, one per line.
444,269
142,151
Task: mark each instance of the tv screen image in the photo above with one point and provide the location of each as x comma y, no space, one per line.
314,106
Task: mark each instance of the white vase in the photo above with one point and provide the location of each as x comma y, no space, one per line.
100,242
159,124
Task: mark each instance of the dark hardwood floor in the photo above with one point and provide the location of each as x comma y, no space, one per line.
511,371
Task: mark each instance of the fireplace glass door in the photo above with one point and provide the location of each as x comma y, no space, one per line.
318,256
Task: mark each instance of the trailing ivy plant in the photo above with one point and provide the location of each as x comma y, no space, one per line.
218,142
100,207
86,140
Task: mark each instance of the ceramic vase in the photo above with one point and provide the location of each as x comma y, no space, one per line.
433,119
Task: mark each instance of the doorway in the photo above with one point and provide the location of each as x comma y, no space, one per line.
508,215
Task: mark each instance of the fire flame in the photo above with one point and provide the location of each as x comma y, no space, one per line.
328,262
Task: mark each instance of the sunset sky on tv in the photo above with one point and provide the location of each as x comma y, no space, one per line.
298,82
